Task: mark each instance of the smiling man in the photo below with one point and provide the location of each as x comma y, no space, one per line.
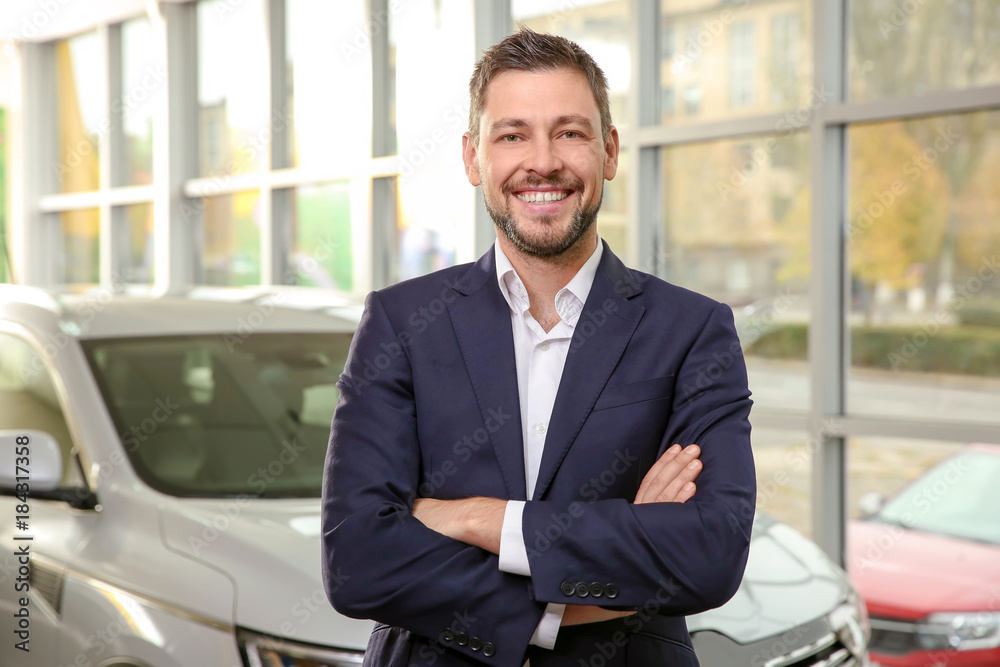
516,482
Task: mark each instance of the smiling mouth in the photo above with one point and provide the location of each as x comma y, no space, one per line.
543,197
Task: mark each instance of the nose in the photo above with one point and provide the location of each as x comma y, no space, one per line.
543,157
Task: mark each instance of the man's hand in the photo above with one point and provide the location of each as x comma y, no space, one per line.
671,479
475,521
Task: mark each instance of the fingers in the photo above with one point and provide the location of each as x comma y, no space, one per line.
669,478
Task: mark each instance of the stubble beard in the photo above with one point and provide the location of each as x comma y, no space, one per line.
548,243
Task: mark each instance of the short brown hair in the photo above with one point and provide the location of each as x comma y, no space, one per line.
530,51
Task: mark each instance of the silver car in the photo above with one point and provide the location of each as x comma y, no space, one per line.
168,510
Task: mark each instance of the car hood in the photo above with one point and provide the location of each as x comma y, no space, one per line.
271,550
954,574
788,581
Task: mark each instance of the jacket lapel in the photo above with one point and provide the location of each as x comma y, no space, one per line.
481,319
602,332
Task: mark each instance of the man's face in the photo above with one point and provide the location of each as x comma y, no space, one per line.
541,159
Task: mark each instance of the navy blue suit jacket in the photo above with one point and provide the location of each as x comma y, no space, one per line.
429,407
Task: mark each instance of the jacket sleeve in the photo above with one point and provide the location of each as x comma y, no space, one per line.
380,562
669,558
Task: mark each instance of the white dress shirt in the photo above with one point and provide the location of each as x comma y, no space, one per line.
539,358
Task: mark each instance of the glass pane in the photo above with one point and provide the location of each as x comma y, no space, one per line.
81,89
736,228
329,83
924,252
613,220
233,409
722,59
916,47
783,460
134,241
232,87
232,239
429,225
143,81
922,547
79,232
322,253
436,202
601,28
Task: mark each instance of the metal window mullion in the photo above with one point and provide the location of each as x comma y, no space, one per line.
827,354
177,220
962,100
34,147
383,202
494,20
644,189
273,253
112,152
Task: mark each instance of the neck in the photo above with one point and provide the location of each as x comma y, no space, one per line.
543,277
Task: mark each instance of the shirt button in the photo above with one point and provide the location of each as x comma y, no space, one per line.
544,347
540,429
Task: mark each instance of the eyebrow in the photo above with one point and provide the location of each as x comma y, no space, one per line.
520,123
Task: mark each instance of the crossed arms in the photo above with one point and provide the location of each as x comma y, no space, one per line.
478,521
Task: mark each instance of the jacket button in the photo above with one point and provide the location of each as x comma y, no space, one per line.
461,639
611,590
567,588
475,643
597,589
447,637
582,590
489,650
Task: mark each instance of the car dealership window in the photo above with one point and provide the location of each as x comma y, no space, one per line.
773,192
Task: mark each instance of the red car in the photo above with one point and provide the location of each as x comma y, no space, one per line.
927,563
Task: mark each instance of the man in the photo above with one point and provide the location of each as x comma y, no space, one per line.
505,480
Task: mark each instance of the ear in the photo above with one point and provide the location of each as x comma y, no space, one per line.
611,148
469,156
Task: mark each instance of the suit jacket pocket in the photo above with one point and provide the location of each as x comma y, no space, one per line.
635,392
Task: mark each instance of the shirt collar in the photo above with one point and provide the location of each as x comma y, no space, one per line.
569,300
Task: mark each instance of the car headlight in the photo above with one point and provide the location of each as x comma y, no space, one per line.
969,631
850,622
265,651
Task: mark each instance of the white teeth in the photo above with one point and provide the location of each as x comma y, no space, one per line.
542,197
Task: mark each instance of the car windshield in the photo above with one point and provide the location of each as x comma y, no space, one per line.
219,416
958,497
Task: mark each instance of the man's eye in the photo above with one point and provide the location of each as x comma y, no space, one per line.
510,138
572,135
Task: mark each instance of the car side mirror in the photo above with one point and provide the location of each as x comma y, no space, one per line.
871,503
32,456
